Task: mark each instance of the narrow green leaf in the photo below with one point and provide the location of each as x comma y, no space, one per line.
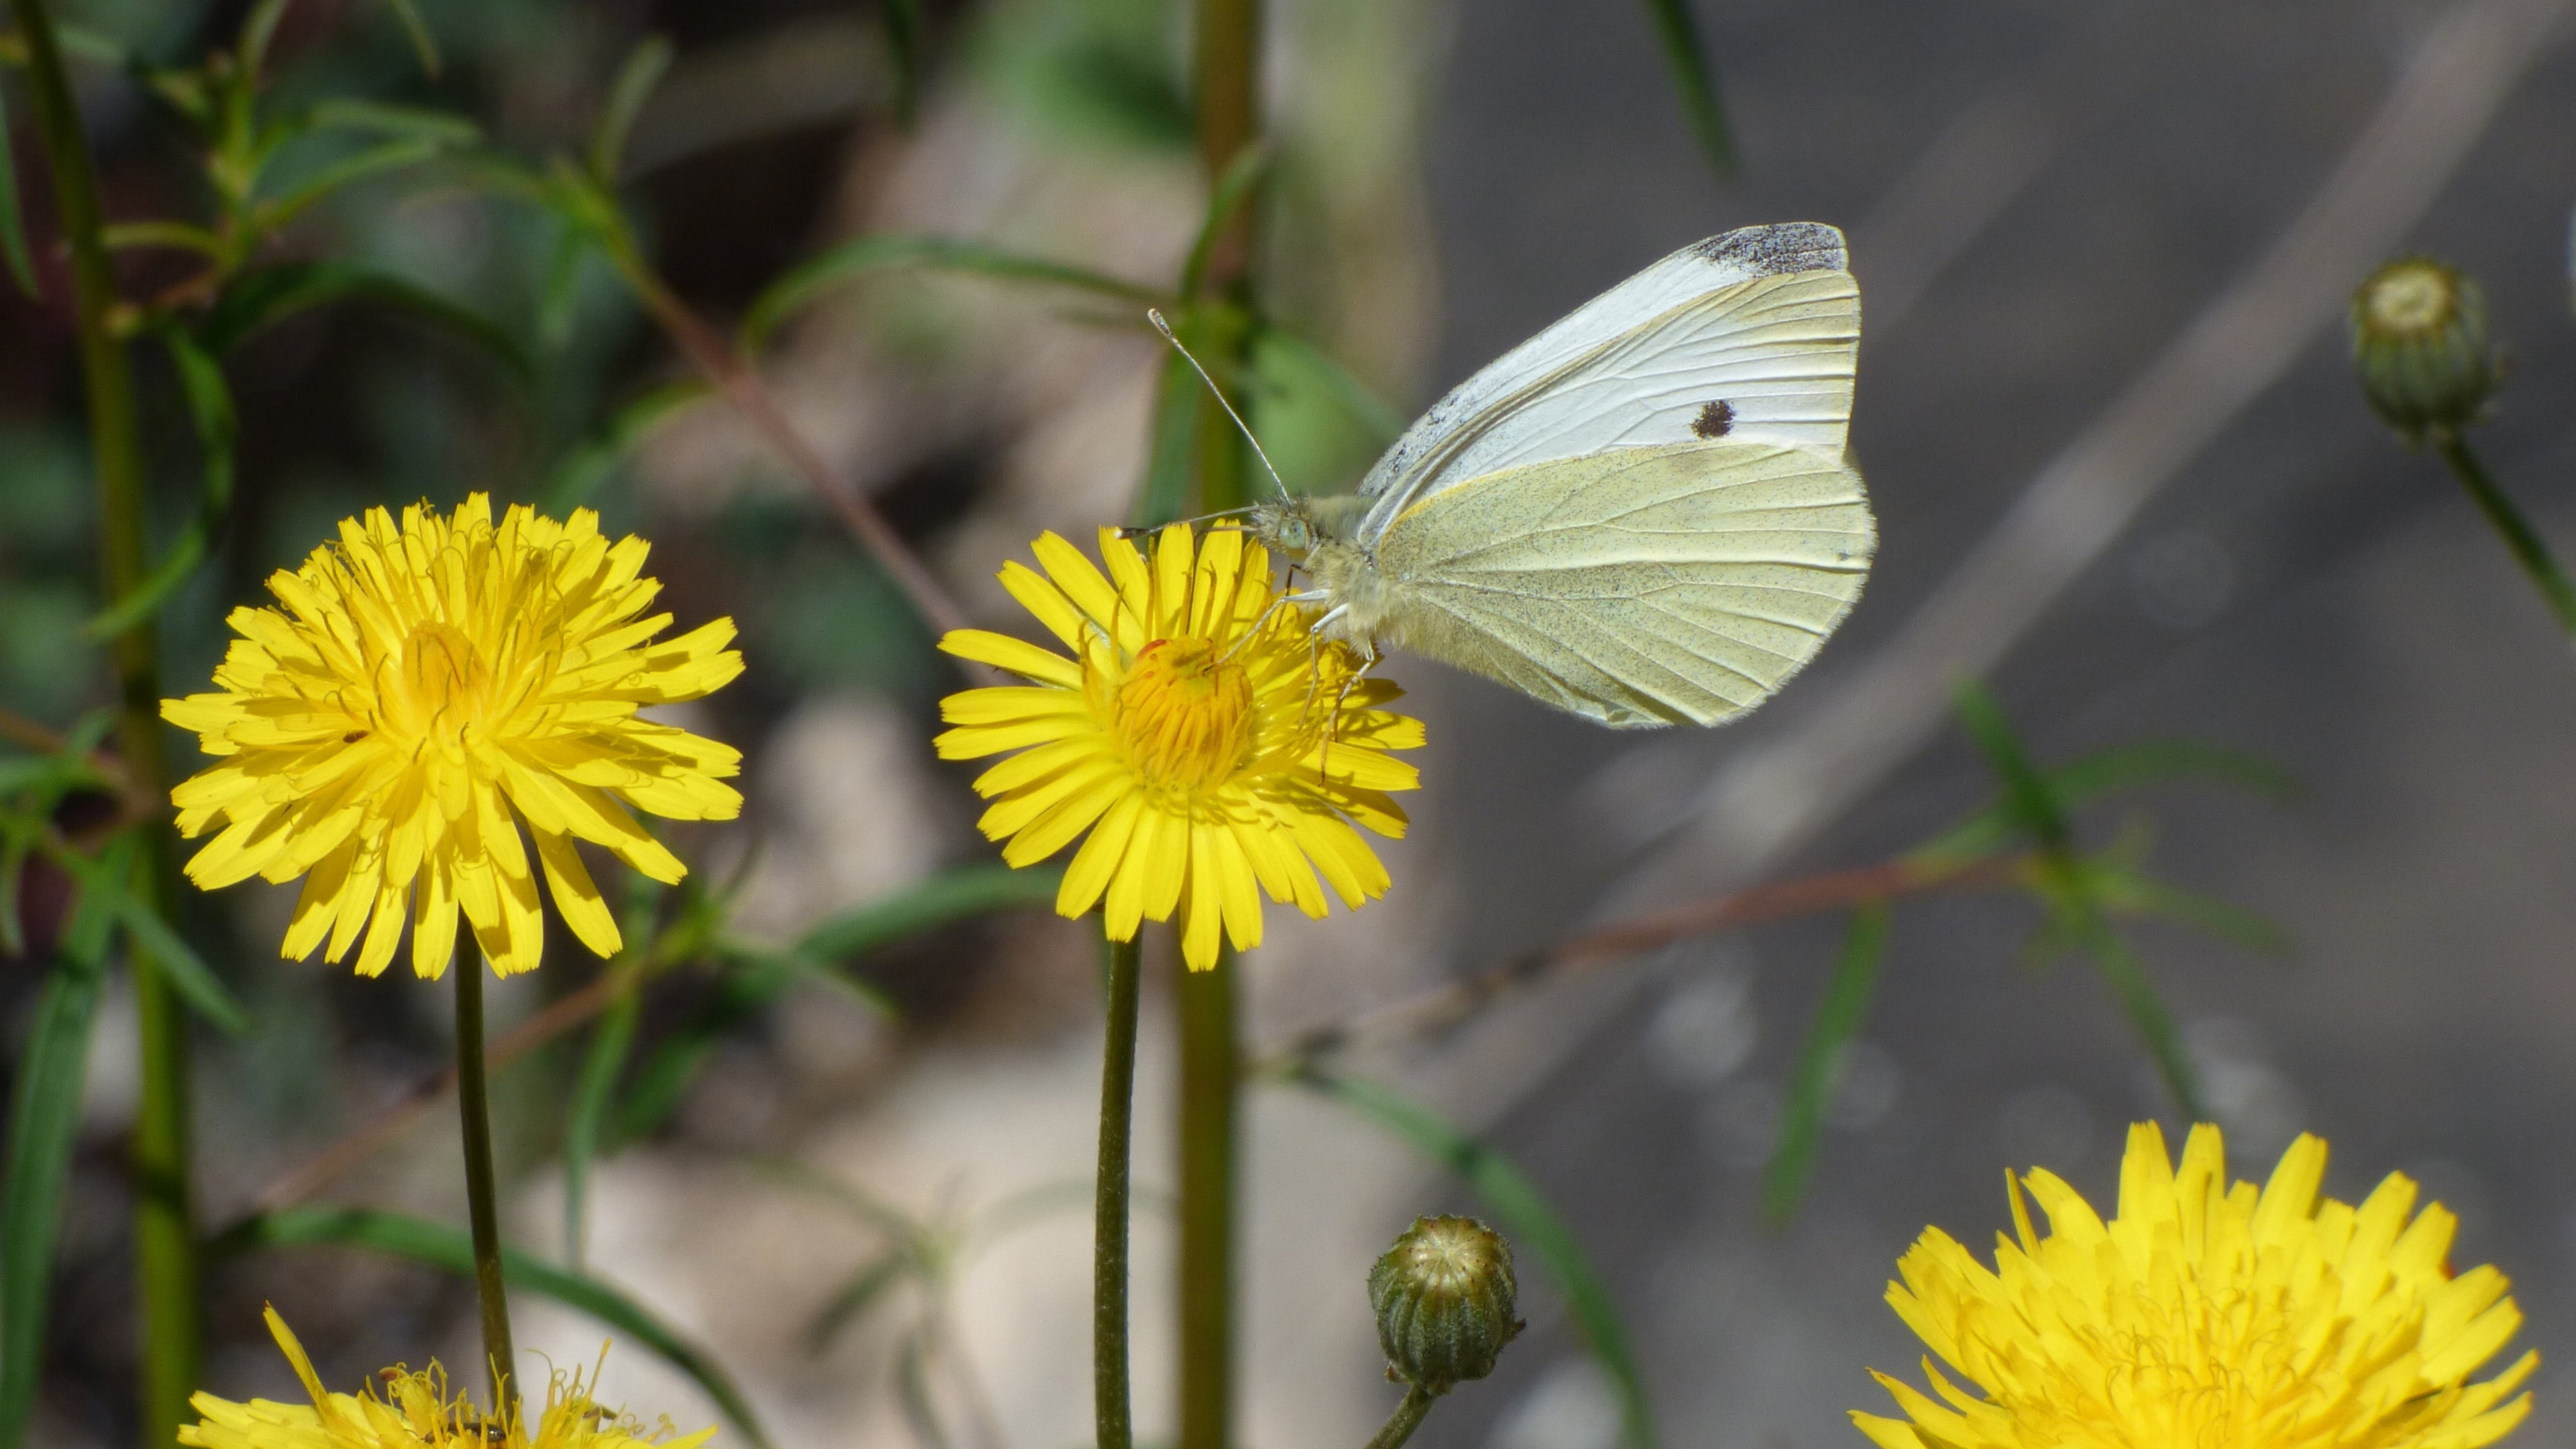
418,123
912,1385
582,471
2121,767
422,43
1383,424
210,408
643,70
1165,490
2033,806
106,887
2147,1013
903,43
100,886
44,1124
166,235
1678,34
807,282
854,1297
951,895
2127,892
259,27
610,1041
438,1245
1234,187
278,211
1811,1084
17,842
1528,1220
859,1203
257,301
13,223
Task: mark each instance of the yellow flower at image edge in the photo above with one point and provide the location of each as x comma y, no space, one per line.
415,1411
1211,748
2208,1315
423,691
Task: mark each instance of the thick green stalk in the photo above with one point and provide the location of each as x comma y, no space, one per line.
1227,72
482,1192
1211,1074
1115,1427
165,1237
1408,1416
2510,524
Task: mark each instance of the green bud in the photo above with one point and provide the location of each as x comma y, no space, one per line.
1444,1299
2419,346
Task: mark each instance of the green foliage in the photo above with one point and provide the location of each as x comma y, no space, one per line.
1819,1070
44,1119
1678,34
1109,72
1527,1219
808,282
437,1245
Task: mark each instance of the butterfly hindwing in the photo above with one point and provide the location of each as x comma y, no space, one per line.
1643,586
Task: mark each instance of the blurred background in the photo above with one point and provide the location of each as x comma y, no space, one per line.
2042,200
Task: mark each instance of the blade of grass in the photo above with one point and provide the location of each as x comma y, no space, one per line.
1165,490
1678,34
423,44
863,1288
2122,767
610,1042
44,1123
2130,893
643,70
210,407
438,1245
1233,188
808,281
1812,1082
1527,1220
106,880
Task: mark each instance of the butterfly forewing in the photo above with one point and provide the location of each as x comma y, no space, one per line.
1649,585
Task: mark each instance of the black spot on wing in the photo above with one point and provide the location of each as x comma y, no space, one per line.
1714,420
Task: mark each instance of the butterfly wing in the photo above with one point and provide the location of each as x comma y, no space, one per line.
1751,335
1680,583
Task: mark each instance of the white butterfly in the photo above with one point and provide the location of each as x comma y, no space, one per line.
1642,514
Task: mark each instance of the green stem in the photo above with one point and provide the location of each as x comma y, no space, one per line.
1115,1428
482,1196
165,1240
2512,526
1210,1080
1227,65
1408,1416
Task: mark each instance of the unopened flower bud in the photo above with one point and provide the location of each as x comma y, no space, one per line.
1444,1296
2419,346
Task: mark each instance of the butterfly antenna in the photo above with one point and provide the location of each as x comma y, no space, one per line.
1155,314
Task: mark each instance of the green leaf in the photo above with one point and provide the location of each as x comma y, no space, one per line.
259,300
1278,345
610,1042
582,471
2121,767
44,1124
1234,187
2130,893
2146,1012
166,235
903,43
1165,490
422,44
278,211
1678,34
853,1298
1527,1220
1811,1084
951,895
810,280
2030,804
13,224
210,408
418,123
643,70
437,1245
106,884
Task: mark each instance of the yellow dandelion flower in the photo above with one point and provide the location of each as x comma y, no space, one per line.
2207,1315
425,690
415,1411
1211,747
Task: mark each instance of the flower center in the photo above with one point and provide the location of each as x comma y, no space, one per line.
1184,713
438,689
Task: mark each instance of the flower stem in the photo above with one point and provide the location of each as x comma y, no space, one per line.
165,1243
1115,1429
2510,524
1408,1416
1210,1077
474,1111
1227,64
